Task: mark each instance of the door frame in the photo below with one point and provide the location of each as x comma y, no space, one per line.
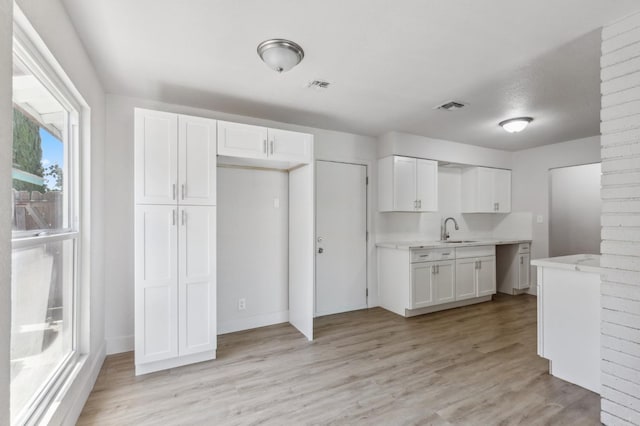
367,240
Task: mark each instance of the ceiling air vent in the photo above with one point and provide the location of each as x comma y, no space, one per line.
451,106
318,84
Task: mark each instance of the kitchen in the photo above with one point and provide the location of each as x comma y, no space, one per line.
282,225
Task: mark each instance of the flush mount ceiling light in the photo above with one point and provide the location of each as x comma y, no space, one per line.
515,125
279,54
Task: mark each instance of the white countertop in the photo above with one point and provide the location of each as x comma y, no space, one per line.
576,262
407,245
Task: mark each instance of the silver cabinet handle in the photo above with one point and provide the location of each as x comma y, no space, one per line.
446,254
479,264
174,191
497,207
271,147
264,145
521,260
420,204
183,191
183,217
424,255
174,216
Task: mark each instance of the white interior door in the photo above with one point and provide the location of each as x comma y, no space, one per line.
341,232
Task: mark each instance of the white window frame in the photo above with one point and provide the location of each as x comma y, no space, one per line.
32,52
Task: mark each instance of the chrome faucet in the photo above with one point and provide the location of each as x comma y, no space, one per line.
444,235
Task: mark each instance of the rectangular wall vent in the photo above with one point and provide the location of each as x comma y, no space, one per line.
451,106
318,84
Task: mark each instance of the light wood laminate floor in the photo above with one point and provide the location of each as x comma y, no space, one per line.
475,365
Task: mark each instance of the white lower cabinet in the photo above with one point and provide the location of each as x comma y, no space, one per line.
432,283
465,279
486,274
475,272
436,278
175,292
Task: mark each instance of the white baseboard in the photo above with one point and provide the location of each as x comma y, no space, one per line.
231,326
117,345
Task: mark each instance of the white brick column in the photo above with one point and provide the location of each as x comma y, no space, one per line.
621,222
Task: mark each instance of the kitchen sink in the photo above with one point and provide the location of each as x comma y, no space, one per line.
458,241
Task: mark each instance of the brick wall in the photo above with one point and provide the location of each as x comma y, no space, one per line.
621,222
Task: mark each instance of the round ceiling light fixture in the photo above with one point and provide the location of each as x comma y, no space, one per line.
279,54
515,125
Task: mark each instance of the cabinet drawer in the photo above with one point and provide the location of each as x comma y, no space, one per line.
429,255
476,251
524,248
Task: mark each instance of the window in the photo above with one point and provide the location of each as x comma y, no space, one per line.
45,237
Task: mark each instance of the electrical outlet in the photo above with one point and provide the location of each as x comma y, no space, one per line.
540,218
242,304
276,203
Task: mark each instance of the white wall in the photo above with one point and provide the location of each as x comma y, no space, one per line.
253,248
530,180
6,141
329,145
620,335
51,22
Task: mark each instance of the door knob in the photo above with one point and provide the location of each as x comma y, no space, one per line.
320,250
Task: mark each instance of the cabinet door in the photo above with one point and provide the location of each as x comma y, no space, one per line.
242,140
197,279
289,146
156,283
486,274
502,190
422,277
427,185
524,280
156,157
485,200
445,285
404,184
466,278
197,160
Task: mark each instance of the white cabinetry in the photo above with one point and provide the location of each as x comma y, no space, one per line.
417,281
175,158
407,184
486,190
282,148
175,240
433,283
475,272
514,268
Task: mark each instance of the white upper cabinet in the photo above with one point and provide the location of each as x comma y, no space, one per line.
407,184
289,146
156,154
486,190
175,158
197,160
260,146
242,140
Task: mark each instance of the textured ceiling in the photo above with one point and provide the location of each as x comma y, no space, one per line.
389,62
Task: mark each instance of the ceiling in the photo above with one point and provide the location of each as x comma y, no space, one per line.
389,62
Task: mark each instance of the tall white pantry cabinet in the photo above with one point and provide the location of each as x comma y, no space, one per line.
175,240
